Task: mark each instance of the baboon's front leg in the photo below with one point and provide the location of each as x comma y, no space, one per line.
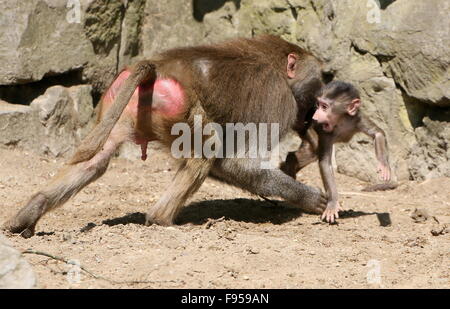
68,182
247,174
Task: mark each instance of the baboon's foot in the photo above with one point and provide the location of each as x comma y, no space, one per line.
160,216
314,203
24,222
149,220
15,226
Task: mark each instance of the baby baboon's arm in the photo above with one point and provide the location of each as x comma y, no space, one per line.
371,129
325,149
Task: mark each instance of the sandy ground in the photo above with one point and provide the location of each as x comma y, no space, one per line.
227,238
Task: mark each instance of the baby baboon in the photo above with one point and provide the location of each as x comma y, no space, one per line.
337,119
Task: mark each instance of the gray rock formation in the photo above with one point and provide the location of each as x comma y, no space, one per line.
15,271
42,38
53,124
37,40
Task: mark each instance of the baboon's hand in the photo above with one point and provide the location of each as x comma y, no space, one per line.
384,172
331,213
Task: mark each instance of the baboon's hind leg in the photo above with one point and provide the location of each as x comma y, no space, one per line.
67,183
189,177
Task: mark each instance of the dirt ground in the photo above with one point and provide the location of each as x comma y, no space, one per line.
227,238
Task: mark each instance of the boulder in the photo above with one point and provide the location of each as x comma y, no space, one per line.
53,124
430,156
411,41
38,40
42,38
15,271
169,24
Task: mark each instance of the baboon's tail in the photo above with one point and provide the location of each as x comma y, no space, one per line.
143,71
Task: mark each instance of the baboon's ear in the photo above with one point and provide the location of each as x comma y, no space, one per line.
353,107
292,65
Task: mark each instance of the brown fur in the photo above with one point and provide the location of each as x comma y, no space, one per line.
239,81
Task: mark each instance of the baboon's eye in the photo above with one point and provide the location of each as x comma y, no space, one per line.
323,106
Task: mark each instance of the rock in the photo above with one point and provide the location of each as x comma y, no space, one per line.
440,229
43,38
419,65
164,20
130,37
416,242
380,187
83,106
250,250
17,122
53,124
102,27
38,40
420,215
15,271
430,156
220,24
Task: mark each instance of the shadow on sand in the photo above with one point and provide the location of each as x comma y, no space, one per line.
242,210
